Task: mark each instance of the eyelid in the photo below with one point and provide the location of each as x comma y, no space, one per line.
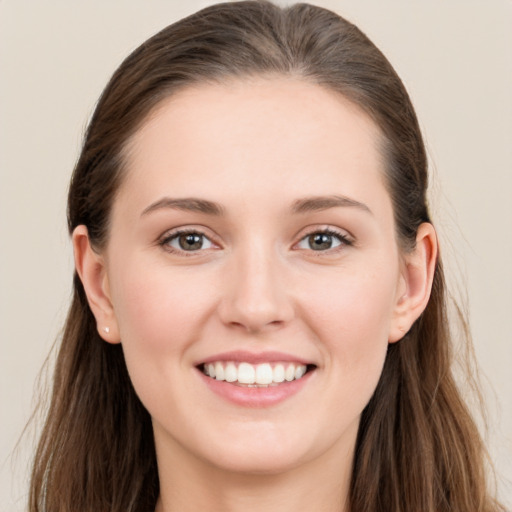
344,236
170,234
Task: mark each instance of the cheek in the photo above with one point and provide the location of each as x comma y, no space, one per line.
354,305
160,312
352,316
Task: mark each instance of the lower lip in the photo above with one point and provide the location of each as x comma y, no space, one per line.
257,397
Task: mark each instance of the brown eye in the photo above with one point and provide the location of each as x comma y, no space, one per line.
188,242
323,241
320,241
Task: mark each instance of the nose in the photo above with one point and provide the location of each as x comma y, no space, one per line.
255,296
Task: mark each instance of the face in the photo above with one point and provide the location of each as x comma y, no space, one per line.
254,274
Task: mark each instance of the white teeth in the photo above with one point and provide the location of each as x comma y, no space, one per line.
299,371
263,374
231,373
219,371
289,373
278,373
246,373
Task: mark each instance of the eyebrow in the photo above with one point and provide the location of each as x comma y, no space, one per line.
191,204
308,204
319,203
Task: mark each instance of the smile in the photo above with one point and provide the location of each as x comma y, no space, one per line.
254,375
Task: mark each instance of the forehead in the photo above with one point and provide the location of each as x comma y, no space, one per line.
282,132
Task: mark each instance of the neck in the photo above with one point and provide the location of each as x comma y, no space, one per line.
320,484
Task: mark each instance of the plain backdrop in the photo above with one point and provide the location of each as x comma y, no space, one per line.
454,56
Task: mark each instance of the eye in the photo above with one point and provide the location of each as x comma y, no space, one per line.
323,241
188,241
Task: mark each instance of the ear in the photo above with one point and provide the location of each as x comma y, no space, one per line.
90,266
416,282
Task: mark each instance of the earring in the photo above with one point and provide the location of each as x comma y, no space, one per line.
106,329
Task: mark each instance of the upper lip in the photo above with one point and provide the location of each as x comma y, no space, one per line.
240,356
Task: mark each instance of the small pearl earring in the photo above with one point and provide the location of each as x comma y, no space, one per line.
106,329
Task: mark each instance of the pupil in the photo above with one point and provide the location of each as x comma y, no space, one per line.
320,241
191,241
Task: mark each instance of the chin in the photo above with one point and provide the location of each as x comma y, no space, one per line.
265,462
265,450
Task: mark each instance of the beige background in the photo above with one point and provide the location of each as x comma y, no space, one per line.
55,57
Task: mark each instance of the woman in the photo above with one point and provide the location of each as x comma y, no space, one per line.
259,317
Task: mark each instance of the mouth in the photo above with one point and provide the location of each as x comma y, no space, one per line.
261,375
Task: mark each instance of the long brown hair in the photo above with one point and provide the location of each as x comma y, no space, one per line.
418,448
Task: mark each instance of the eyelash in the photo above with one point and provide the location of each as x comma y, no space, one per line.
344,241
168,238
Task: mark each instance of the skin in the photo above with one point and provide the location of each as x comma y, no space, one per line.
255,148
